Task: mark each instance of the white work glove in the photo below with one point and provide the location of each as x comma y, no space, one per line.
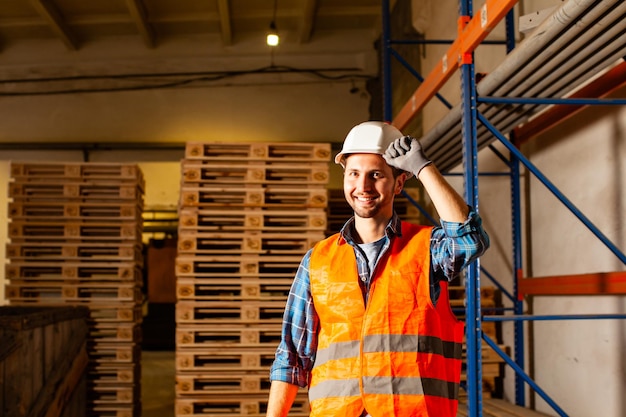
406,154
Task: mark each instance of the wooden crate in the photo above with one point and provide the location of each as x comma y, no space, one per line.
192,242
221,336
259,173
213,220
42,359
281,197
289,152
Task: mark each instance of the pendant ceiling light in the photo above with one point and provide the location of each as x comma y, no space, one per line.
272,35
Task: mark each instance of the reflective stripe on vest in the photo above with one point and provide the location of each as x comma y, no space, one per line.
401,356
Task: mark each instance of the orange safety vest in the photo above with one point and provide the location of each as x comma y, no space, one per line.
400,355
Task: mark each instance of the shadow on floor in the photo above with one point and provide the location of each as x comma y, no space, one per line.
157,383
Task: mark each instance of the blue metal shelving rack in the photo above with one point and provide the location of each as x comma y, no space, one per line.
472,32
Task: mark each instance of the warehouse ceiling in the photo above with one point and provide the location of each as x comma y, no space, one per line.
43,39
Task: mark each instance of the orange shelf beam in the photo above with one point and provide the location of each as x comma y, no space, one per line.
603,86
601,283
470,36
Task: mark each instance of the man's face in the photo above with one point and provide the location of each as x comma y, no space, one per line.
369,186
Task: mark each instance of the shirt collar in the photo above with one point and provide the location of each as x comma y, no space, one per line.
394,228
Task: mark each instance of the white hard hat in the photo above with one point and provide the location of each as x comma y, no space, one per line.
368,137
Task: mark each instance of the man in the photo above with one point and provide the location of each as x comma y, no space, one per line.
368,326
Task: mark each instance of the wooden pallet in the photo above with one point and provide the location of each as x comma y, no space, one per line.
211,361
87,170
75,251
20,231
226,289
94,293
60,210
114,410
98,394
267,197
25,270
204,220
74,191
199,267
200,243
214,312
235,405
244,383
227,336
260,173
115,374
115,332
128,312
289,152
112,354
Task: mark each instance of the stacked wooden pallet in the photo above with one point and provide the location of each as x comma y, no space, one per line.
75,239
248,212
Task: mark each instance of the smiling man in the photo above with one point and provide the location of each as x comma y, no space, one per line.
368,326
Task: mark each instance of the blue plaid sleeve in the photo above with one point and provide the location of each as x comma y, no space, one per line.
296,352
456,245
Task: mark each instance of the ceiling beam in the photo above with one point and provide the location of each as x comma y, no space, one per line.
224,12
54,18
140,17
307,23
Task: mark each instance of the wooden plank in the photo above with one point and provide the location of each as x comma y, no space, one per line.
235,405
69,271
192,242
221,336
199,267
63,392
213,220
75,251
60,210
26,231
267,197
226,289
214,312
114,410
266,174
292,151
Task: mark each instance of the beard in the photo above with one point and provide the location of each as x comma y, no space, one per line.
365,211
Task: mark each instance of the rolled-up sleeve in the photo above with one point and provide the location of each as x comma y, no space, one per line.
456,245
296,352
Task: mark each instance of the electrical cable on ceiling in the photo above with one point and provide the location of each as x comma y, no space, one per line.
156,80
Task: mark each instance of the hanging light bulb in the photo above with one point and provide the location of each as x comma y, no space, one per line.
272,35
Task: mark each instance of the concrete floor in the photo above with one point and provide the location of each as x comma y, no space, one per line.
157,383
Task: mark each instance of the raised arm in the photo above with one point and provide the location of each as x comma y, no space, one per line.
406,154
